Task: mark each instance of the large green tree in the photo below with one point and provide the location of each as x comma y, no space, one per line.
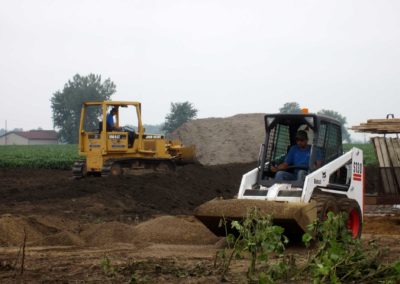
342,119
290,107
66,104
179,114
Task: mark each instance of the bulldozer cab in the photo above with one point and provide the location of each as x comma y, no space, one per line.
324,137
104,129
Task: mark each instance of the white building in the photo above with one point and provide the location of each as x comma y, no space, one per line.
32,137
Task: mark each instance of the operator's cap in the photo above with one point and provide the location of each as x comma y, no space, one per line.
301,135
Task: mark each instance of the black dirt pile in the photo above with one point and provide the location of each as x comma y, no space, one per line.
44,192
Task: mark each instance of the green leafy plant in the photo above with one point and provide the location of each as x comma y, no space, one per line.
257,238
223,258
107,268
335,256
339,258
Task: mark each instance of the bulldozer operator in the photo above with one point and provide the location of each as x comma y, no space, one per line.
110,119
297,158
111,126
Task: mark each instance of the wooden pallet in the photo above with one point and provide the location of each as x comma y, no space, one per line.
388,154
382,126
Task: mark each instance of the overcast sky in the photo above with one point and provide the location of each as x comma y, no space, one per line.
226,57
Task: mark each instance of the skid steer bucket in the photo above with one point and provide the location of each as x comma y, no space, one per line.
293,217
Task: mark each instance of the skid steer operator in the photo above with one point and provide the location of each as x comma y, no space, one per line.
298,156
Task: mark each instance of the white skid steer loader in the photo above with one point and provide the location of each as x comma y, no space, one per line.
334,183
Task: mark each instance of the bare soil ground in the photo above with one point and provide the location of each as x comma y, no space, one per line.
113,230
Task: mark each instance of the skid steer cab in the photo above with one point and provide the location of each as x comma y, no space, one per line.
330,180
113,141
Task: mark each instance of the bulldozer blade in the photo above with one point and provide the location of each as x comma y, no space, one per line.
293,217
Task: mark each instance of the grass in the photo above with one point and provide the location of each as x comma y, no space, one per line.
368,151
38,156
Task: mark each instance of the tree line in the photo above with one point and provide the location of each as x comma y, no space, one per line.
66,107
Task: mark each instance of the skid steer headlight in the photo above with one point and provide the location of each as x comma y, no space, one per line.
310,121
270,120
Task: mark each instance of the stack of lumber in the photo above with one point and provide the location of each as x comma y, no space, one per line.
381,126
388,153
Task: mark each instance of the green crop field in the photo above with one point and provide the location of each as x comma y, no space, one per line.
368,151
38,156
63,156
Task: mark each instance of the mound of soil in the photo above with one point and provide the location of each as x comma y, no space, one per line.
108,233
56,210
162,229
126,198
174,230
13,229
228,140
63,238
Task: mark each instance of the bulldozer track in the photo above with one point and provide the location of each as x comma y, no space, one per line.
106,170
125,166
78,169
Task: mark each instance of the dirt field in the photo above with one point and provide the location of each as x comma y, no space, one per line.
111,230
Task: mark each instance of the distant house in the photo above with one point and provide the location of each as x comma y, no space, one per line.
32,137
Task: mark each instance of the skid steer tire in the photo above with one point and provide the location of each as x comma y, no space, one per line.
325,204
353,215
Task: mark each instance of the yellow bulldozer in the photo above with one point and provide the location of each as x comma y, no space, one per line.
112,149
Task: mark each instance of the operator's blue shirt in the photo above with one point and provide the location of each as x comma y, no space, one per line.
298,156
110,121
